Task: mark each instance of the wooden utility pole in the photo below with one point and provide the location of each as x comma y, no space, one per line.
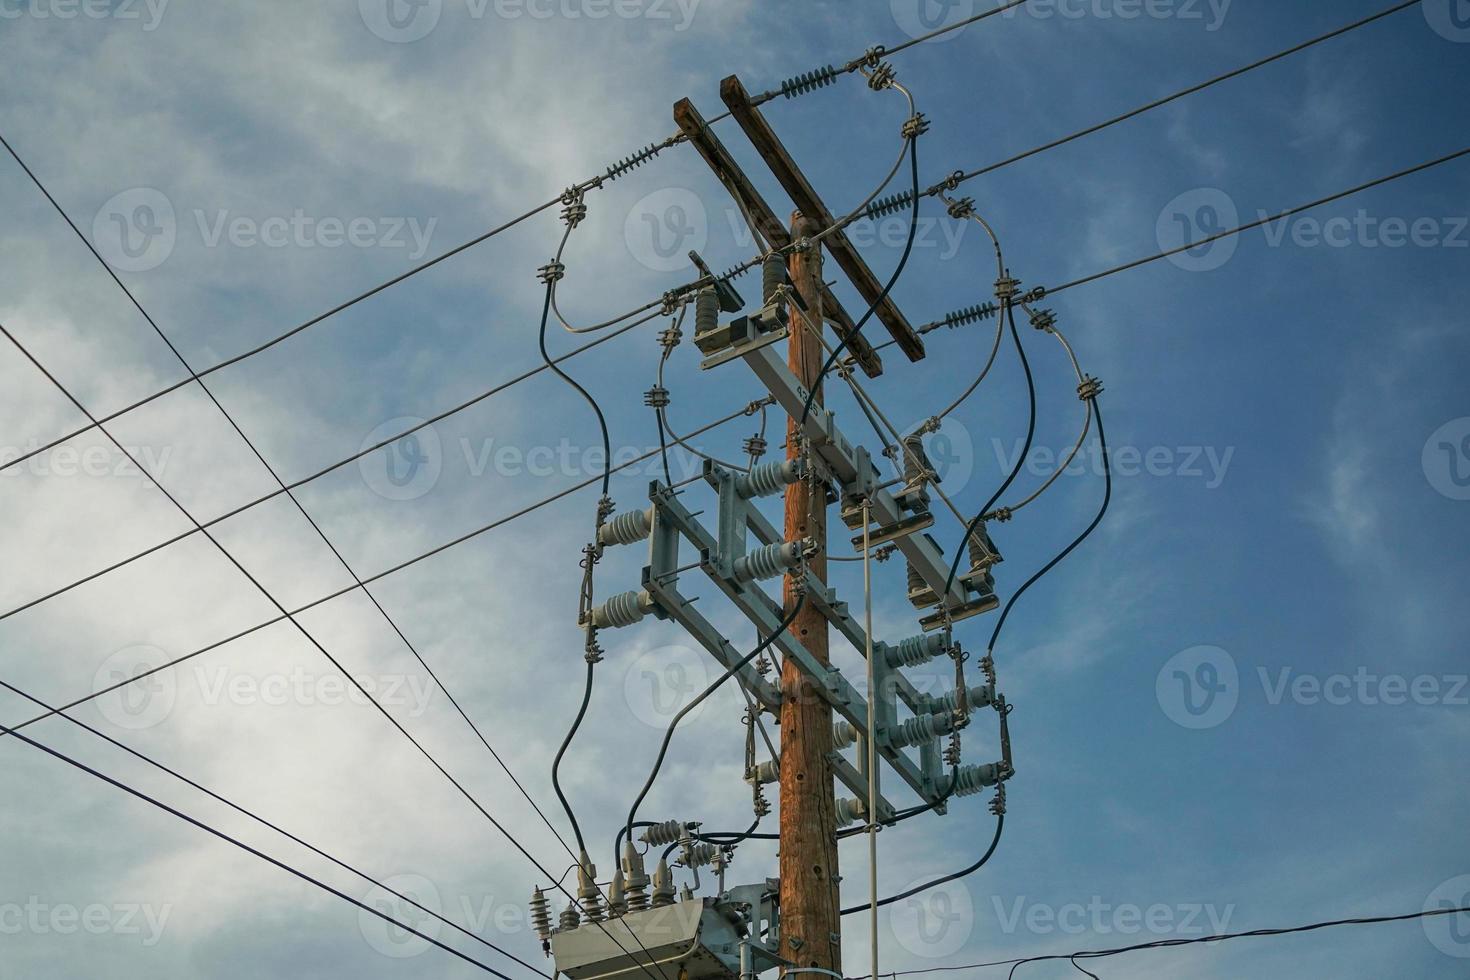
810,920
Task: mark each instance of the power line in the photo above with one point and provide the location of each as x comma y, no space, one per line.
251,850
266,823
530,508
281,483
1261,221
1245,69
1193,940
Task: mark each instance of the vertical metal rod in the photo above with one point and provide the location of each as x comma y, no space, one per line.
872,739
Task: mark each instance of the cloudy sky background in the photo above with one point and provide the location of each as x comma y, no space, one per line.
1299,513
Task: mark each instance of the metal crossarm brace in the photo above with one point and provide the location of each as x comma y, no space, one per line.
692,124
806,199
852,468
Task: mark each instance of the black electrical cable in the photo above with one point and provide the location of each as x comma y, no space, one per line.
596,408
247,848
1000,822
872,308
268,824
699,699
1102,441
556,763
954,568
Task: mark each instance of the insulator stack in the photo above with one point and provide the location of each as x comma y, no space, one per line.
617,902
769,479
972,779
623,609
570,917
635,878
767,562
843,735
627,528
888,205
541,915
808,81
920,594
850,811
663,885
773,276
662,834
767,772
706,311
959,318
914,651
979,696
700,855
587,894
922,728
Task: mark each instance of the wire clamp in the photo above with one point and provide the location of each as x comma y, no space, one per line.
880,74
656,397
754,447
1089,389
574,211
1044,320
998,801
1006,288
551,272
1033,295
1002,514
915,126
960,208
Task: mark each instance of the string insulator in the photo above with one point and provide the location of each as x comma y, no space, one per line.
808,81
959,318
889,204
635,161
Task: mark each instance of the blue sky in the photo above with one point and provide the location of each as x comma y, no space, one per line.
1287,412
